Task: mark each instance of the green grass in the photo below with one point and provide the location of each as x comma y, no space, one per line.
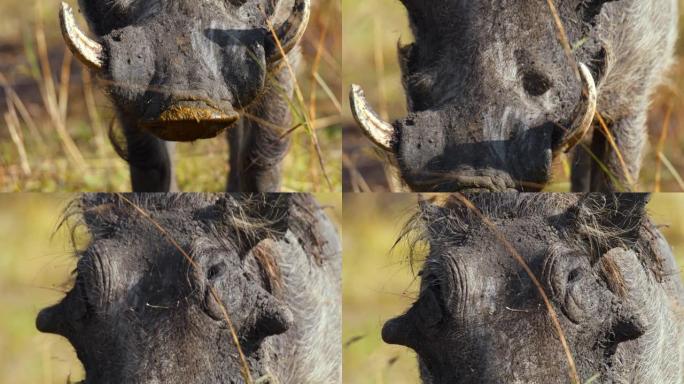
379,285
39,159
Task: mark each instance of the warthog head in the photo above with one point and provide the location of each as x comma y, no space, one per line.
609,277
491,93
170,305
184,69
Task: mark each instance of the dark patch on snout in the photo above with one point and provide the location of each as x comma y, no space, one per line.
535,83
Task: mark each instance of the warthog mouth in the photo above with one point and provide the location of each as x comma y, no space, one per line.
189,121
465,181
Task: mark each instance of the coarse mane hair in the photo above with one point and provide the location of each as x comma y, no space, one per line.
592,223
235,220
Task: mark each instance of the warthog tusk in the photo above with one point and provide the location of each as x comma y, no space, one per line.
585,112
378,130
87,50
291,30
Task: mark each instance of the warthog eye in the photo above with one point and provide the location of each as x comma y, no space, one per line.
216,271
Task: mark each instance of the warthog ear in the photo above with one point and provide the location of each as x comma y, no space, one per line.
253,217
628,281
611,218
433,216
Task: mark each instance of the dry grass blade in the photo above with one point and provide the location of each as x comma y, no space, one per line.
300,99
604,168
357,181
563,38
14,129
23,112
574,377
379,60
672,170
328,92
93,115
613,144
246,374
64,78
661,145
49,96
314,68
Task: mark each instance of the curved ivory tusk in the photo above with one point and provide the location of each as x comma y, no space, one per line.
89,51
585,113
378,130
291,30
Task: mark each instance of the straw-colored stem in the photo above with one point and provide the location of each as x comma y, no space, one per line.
616,149
13,127
49,96
661,145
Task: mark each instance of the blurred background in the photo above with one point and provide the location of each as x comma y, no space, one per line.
371,30
35,271
54,117
379,284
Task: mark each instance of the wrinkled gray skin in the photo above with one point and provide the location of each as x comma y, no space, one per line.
174,52
490,89
139,313
610,275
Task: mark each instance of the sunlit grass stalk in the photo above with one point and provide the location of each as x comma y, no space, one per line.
95,120
64,79
312,92
660,146
328,92
50,97
672,170
604,168
616,149
302,105
357,181
12,96
379,61
14,129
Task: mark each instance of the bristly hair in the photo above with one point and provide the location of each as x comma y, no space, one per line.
591,223
236,220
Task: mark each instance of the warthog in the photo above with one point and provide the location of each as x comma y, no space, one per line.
180,70
171,305
608,274
494,94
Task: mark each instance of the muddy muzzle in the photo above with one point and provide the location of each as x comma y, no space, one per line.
189,121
